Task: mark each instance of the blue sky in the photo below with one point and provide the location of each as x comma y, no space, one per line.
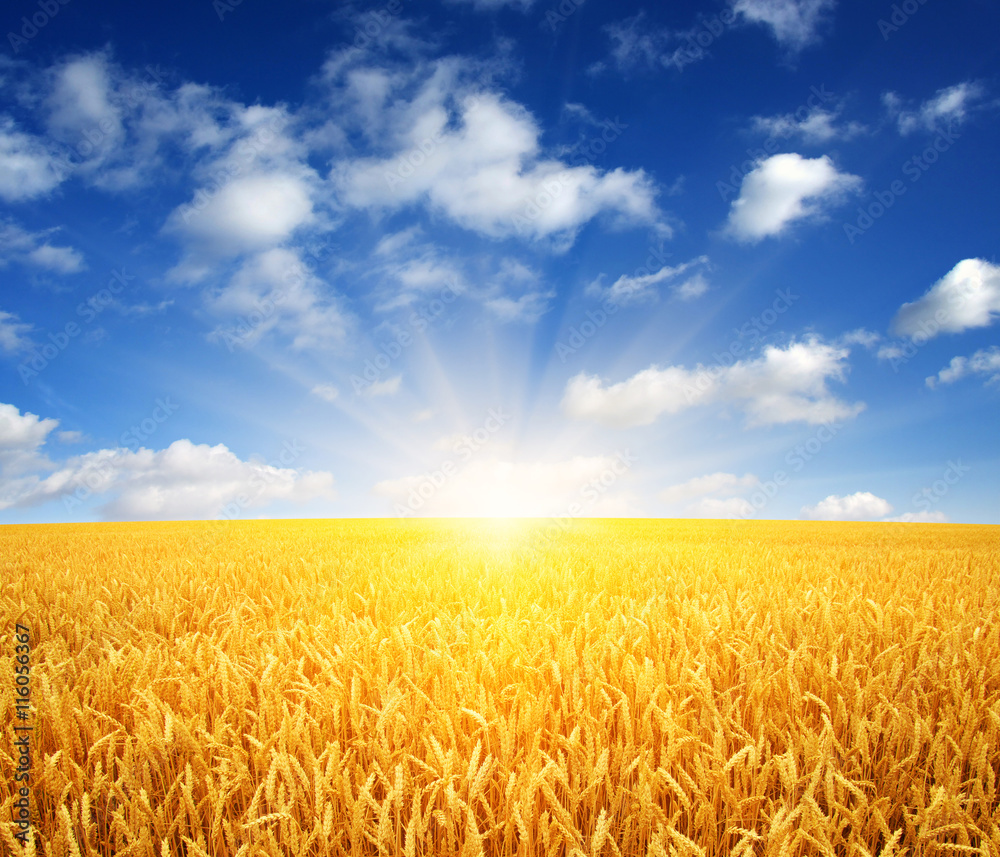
719,259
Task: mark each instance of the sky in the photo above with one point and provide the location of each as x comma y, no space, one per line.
720,259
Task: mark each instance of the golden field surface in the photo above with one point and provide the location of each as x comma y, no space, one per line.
476,687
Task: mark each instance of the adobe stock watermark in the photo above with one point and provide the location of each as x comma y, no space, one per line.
583,154
464,448
556,16
374,22
700,38
752,330
403,337
225,7
590,493
532,207
737,172
257,484
914,168
41,356
934,493
796,460
31,27
899,16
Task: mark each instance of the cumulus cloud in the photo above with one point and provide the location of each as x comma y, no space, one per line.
862,506
13,333
80,104
248,213
474,156
784,189
275,292
817,125
785,385
21,439
986,362
794,23
186,480
35,250
640,288
28,167
584,485
951,105
183,481
713,496
968,296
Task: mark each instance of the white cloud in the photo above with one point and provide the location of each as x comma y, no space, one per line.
950,105
28,168
520,489
34,249
784,189
13,333
719,484
784,385
986,361
712,496
80,104
795,23
185,480
326,392
635,43
640,288
392,243
862,506
717,507
527,308
62,260
817,125
692,288
274,291
21,439
890,351
248,213
968,296
388,387
860,336
474,156
516,294
923,517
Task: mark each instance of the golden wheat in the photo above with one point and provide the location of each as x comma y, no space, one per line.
481,688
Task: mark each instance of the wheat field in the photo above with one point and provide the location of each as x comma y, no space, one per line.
481,687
